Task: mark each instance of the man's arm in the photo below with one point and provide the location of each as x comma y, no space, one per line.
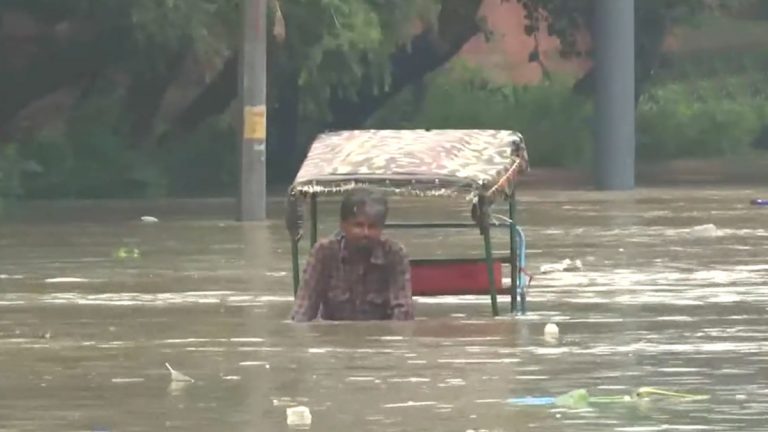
309,295
401,299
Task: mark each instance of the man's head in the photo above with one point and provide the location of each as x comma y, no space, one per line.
363,215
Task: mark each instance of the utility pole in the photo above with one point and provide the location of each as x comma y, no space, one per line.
252,199
615,101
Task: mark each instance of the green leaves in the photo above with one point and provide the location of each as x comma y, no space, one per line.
701,117
565,19
337,45
208,28
463,96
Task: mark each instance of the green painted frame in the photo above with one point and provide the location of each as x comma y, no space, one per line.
511,225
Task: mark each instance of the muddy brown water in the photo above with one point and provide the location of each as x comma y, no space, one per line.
84,336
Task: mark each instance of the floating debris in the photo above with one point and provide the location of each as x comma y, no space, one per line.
177,376
551,331
581,398
565,265
149,219
298,416
125,252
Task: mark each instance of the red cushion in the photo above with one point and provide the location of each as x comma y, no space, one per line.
453,278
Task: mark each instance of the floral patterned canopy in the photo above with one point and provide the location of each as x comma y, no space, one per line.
421,162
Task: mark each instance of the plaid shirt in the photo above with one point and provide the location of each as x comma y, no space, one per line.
342,287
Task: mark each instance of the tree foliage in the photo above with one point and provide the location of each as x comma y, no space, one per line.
568,19
327,59
565,19
334,44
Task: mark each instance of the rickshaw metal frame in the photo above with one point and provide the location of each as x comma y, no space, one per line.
314,178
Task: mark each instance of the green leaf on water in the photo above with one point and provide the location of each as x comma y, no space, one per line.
127,253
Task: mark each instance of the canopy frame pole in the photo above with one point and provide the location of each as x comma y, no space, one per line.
295,265
491,272
313,217
482,219
513,256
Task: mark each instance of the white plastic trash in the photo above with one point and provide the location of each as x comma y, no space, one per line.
551,331
565,265
298,416
177,376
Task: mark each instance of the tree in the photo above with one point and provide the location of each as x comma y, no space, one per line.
84,40
340,61
567,19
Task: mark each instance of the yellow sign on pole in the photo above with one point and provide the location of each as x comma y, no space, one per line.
255,122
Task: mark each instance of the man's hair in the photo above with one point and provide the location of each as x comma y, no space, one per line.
364,201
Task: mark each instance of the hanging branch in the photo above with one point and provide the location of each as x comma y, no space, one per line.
278,29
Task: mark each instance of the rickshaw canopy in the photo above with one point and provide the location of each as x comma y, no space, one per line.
414,162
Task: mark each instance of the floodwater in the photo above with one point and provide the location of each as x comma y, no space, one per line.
84,336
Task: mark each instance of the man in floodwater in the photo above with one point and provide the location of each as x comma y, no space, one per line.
357,274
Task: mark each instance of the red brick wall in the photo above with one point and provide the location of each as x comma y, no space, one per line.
506,56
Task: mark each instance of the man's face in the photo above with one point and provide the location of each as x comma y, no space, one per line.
362,231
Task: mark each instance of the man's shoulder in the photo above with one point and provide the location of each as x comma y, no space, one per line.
394,248
326,244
